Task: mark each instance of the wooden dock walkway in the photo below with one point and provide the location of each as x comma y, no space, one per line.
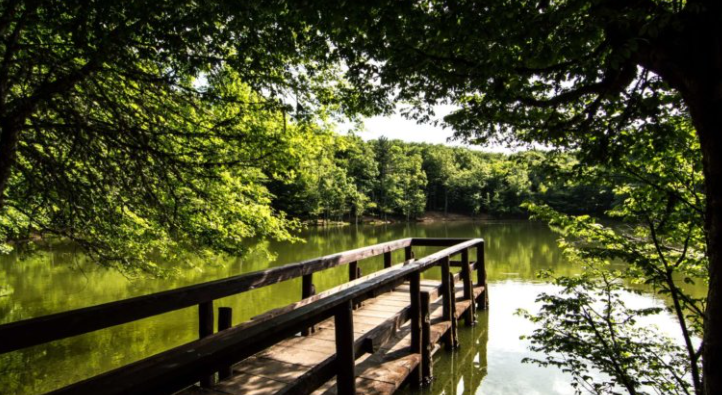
371,335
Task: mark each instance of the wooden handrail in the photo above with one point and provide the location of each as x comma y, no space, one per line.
179,367
26,333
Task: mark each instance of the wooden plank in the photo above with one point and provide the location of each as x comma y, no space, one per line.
437,241
269,368
294,355
248,384
387,259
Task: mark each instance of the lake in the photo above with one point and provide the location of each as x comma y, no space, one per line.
489,361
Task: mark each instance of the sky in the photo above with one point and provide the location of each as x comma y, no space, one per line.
398,127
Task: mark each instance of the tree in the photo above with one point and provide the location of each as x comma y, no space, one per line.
142,127
575,73
663,242
407,182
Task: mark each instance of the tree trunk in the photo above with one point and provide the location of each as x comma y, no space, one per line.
706,111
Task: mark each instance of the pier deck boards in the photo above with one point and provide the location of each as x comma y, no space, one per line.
288,366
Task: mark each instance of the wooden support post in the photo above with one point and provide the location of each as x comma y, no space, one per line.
387,259
352,270
345,358
483,300
307,290
448,303
469,314
225,321
454,323
415,312
408,254
426,345
205,328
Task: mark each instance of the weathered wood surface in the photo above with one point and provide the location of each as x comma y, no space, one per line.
26,333
301,365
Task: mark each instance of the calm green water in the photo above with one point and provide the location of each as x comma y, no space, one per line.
489,361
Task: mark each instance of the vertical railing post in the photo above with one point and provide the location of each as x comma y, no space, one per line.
448,303
387,259
408,254
307,290
426,346
483,299
454,321
415,312
345,358
469,314
225,321
354,272
205,329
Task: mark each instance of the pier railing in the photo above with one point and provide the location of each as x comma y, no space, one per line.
196,361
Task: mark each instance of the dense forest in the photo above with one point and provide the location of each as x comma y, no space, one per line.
347,179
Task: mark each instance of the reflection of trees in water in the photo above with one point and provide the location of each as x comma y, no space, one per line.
58,280
463,368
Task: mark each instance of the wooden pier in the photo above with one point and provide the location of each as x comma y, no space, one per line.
372,335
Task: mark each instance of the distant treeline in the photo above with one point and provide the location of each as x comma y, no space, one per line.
348,179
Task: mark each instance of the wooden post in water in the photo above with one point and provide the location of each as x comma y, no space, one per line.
454,323
225,321
205,329
426,346
415,312
483,300
345,358
307,290
469,314
448,303
387,259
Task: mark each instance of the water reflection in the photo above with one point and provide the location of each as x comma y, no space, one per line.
61,279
